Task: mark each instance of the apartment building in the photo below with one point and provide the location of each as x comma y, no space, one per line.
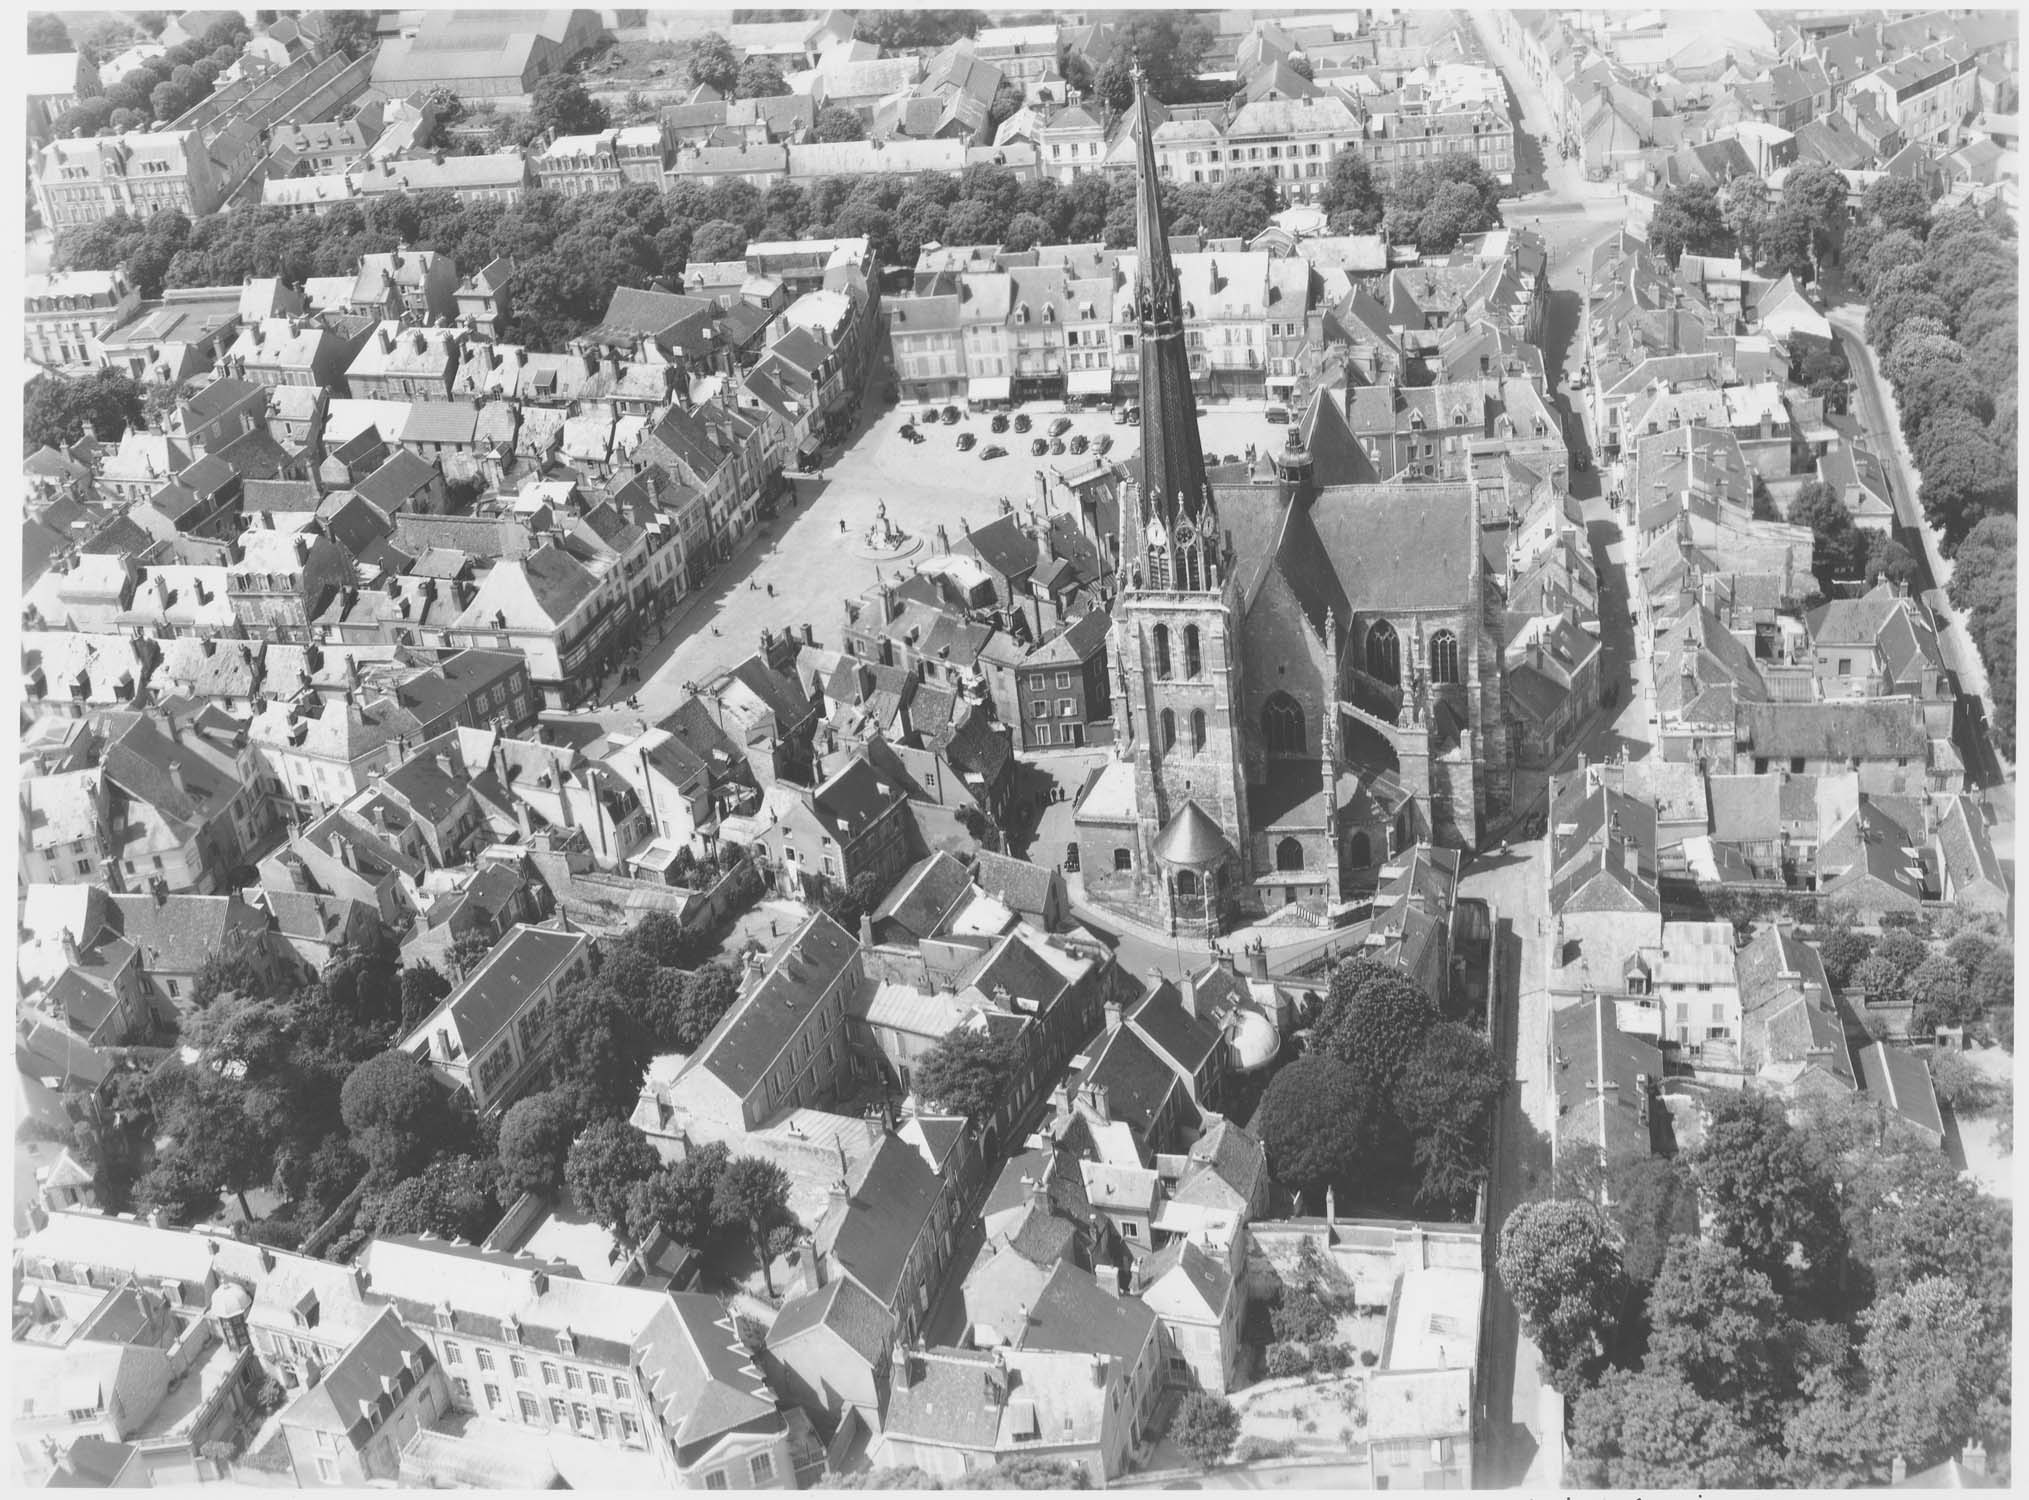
566,617
65,314
86,179
1929,95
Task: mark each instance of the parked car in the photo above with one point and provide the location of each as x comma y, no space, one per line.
927,414
1133,416
909,431
1071,856
1126,416
1060,426
1039,447
1105,443
967,441
1057,446
1278,416
1080,443
993,450
1022,422
950,416
1000,421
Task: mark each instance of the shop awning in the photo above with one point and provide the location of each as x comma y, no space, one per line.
1089,383
987,388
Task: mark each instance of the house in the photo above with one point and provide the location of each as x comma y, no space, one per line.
1199,1305
1873,863
498,56
828,1351
67,312
490,1036
857,822
952,1411
352,1426
1420,1397
1063,686
1899,1078
1792,1038
1608,1083
1035,893
186,802
1974,879
1601,874
891,1227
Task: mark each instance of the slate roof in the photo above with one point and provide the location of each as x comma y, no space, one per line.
495,993
1882,729
1016,883
847,1310
744,1045
1901,1079
873,1233
367,1384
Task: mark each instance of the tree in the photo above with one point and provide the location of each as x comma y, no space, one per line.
678,1199
1768,1197
228,973
1446,1097
535,1139
1893,249
392,1106
1351,196
1374,1020
1842,949
1839,550
452,1198
1558,1263
1422,208
1008,100
601,1050
1898,203
1930,1362
1877,979
714,64
1652,1431
1817,193
835,122
46,33
1313,1123
560,106
469,952
1301,66
753,1194
1688,218
708,993
1717,1326
56,412
1901,950
1205,1426
1025,232
1787,235
760,78
1993,986
1171,48
1937,988
422,988
1653,1202
214,1143
718,240
1025,1471
1743,205
966,1073
604,1165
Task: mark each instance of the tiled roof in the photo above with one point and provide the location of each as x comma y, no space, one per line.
745,1044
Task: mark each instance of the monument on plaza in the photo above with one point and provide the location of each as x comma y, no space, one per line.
1309,675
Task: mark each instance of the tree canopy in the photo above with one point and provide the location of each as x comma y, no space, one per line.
1313,1123
967,1073
1559,1264
535,1138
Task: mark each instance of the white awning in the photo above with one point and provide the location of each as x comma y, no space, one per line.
1089,383
987,388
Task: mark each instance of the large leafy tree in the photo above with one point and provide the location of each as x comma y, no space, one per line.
393,1109
760,78
1446,1097
1171,48
1932,1367
835,122
453,1198
1205,1426
560,106
967,1073
1744,207
713,63
1558,1262
678,1200
1649,1431
1718,1326
56,411
535,1140
1653,1202
1769,1198
1351,196
752,1195
1689,218
1313,1122
604,1165
1374,1020
601,1049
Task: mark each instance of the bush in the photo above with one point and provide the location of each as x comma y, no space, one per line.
1288,1359
1960,1084
1256,1450
1369,1358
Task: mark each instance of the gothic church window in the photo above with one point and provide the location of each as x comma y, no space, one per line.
1194,660
1444,657
1169,729
1289,855
1384,653
1282,725
1162,663
1197,730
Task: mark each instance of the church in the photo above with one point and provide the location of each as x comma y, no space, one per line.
1308,673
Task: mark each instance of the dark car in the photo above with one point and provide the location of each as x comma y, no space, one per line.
1057,446
1060,426
993,450
1071,856
1278,416
927,414
966,441
1123,416
1105,443
1080,443
950,416
1039,447
1022,422
1133,416
1000,421
909,432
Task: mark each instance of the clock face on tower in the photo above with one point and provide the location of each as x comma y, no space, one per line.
1185,534
1157,537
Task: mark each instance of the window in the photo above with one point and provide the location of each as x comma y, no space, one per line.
531,1412
716,1480
1289,855
581,1415
762,1467
1194,658
574,1380
1066,708
558,1413
452,1356
518,1365
1444,657
464,1391
630,1431
1197,730
1063,679
1162,663
1384,653
1043,735
325,1469
1169,729
1039,709
175,989
1282,725
1123,860
599,1381
484,1358
492,1395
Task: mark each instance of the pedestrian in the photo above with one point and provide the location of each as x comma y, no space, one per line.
841,525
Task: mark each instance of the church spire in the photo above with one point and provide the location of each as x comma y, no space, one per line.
1172,458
